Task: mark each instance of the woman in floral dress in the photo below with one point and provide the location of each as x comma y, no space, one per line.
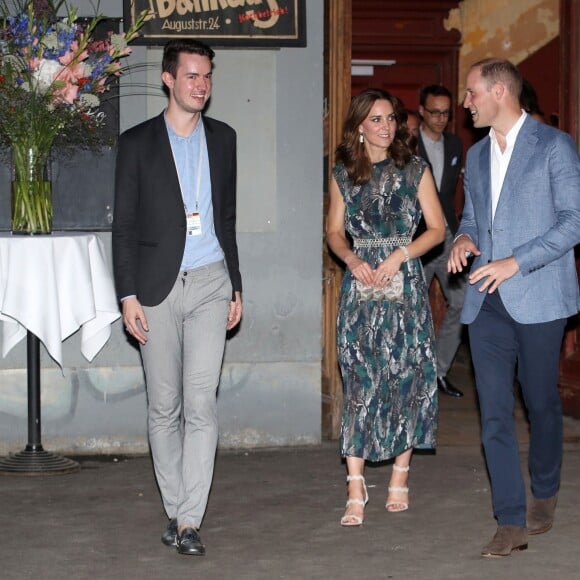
378,192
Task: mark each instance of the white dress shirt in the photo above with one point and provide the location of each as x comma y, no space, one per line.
501,160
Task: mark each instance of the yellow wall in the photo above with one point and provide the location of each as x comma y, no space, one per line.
512,29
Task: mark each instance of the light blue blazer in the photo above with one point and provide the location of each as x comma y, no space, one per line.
537,221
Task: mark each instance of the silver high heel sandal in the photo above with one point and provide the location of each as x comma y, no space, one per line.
398,505
353,519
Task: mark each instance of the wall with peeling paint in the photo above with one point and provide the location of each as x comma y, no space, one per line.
270,389
512,29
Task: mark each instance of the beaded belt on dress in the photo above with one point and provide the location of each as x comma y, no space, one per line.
391,242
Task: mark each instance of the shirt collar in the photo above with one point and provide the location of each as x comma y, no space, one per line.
512,134
426,137
172,134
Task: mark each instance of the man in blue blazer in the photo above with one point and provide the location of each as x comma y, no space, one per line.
521,222
176,271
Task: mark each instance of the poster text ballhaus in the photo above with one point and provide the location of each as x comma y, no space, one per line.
169,8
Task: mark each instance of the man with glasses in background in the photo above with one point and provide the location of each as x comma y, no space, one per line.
443,152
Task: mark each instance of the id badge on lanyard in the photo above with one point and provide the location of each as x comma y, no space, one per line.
193,224
193,219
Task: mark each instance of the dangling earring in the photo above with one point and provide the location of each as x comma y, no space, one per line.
361,138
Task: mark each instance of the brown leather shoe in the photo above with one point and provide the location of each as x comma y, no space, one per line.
507,539
541,515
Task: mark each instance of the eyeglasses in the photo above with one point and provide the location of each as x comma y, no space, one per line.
438,114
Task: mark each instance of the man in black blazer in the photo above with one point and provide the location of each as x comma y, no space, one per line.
176,272
443,152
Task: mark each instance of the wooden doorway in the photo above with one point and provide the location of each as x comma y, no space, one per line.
568,117
338,35
413,35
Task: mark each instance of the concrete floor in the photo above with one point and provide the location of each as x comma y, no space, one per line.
274,514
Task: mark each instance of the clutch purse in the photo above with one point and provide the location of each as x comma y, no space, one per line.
392,292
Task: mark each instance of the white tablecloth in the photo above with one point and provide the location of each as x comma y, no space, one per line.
54,285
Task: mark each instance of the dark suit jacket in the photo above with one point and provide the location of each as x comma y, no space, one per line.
451,170
452,150
149,220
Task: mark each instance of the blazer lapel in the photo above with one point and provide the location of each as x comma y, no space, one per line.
447,160
213,154
524,148
166,157
485,179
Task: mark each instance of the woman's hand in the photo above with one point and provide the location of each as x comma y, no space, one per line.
361,270
388,268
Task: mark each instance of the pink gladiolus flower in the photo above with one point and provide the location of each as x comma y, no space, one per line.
101,85
114,68
69,93
72,55
70,76
100,46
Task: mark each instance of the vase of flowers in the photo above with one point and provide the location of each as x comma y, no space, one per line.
54,75
31,190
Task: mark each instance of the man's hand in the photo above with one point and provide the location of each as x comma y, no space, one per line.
494,273
235,311
134,319
462,249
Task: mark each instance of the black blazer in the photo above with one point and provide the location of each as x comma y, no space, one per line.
452,159
149,218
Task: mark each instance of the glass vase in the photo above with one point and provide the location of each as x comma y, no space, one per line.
31,191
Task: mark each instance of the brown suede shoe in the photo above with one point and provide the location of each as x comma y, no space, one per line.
541,515
507,539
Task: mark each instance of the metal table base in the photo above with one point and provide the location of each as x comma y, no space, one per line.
34,460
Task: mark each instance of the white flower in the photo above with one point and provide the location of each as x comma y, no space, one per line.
45,74
89,101
50,41
118,42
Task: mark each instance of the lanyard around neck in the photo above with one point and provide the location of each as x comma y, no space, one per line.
202,144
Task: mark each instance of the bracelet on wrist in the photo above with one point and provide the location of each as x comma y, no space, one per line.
405,252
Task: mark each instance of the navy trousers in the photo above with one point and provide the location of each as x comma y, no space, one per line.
499,345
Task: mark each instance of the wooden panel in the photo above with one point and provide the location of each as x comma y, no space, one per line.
409,24
412,34
569,58
542,70
569,47
404,79
338,47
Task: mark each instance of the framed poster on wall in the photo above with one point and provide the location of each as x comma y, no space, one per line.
239,23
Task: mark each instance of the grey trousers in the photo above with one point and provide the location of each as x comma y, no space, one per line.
182,360
453,287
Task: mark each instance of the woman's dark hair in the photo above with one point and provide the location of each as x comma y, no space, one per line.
352,153
175,47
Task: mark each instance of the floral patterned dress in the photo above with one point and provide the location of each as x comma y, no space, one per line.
386,349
